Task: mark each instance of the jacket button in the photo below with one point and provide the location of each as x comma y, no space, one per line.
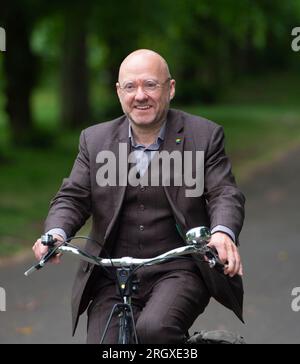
142,228
143,188
142,207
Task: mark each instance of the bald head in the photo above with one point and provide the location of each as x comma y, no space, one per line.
144,62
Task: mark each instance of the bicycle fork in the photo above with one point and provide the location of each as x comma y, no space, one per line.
127,329
126,284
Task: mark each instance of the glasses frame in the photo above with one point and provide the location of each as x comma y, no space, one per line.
134,91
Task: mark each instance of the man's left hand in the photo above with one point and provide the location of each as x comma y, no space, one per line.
228,253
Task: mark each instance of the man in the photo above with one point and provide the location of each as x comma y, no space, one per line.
143,220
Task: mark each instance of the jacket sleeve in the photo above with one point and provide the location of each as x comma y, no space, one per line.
225,202
71,206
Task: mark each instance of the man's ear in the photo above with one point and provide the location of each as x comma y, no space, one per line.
172,89
118,90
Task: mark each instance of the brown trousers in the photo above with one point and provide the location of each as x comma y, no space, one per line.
165,306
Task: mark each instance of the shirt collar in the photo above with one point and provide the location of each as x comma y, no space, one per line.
160,138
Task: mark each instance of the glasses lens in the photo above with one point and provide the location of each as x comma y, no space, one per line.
129,88
150,86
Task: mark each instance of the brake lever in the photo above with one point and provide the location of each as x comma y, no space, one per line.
48,240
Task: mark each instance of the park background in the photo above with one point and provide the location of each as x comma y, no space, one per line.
233,63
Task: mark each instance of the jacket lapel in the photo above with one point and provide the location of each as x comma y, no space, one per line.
174,141
120,137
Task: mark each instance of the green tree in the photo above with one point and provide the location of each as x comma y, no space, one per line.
20,67
75,103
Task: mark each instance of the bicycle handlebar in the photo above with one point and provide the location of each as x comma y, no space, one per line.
197,240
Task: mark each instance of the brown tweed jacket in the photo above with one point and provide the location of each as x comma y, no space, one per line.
221,203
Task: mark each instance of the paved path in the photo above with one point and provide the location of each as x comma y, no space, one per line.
38,308
270,247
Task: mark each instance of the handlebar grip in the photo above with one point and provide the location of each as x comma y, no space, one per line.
49,255
212,255
219,266
32,270
49,241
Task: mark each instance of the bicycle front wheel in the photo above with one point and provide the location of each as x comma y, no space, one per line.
125,329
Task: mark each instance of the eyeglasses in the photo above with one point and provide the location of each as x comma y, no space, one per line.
148,86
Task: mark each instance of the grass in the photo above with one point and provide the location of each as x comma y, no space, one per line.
254,134
28,182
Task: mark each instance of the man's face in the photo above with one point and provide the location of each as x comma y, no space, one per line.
145,90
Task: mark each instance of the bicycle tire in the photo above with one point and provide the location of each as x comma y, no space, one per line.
125,324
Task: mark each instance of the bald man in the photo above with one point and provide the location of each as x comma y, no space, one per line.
143,219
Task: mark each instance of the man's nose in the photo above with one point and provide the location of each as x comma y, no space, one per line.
140,94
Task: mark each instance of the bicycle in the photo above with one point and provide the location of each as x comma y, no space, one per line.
196,243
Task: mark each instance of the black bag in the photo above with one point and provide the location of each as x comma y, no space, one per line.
216,337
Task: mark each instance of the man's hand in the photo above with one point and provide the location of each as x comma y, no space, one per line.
228,253
40,250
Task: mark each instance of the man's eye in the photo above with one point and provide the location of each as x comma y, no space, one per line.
150,85
129,87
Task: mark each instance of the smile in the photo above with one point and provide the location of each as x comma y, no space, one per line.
143,107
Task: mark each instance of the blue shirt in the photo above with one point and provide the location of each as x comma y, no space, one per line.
145,154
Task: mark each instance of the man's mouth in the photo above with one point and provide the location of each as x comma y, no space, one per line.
144,107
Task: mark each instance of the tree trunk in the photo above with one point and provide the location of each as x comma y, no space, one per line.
75,108
20,72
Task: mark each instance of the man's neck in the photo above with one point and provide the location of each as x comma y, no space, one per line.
145,136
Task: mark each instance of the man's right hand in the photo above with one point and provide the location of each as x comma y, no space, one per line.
40,250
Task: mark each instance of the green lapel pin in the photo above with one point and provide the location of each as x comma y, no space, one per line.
178,140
